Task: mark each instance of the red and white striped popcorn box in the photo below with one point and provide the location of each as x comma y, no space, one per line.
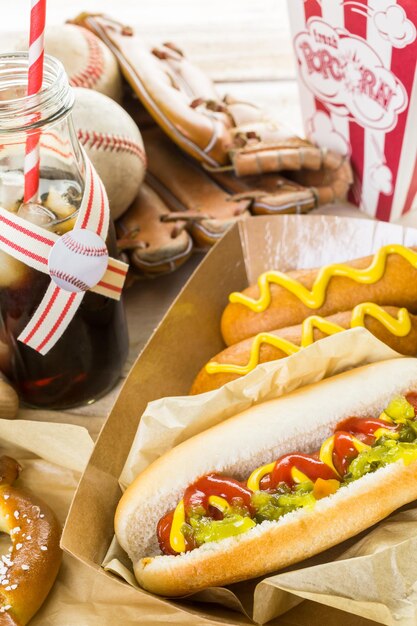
356,62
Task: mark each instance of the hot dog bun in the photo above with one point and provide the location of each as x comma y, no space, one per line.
261,434
240,353
397,287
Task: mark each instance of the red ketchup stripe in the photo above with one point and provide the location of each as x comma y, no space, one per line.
43,316
58,322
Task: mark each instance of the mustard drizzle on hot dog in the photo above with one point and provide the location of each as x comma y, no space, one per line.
391,437
315,297
400,327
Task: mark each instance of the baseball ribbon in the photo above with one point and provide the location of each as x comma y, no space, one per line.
32,245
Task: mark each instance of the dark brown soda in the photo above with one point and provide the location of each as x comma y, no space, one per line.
84,364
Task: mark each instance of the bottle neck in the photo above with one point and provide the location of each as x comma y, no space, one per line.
20,113
47,114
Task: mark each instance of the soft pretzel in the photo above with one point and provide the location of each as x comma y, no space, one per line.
28,570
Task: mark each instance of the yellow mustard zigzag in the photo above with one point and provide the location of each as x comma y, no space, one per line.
316,297
399,326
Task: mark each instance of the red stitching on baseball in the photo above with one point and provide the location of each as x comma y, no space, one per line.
80,248
93,71
110,143
72,280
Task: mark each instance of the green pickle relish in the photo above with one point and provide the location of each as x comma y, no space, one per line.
272,504
204,529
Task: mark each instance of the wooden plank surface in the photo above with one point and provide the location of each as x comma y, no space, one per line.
243,45
230,39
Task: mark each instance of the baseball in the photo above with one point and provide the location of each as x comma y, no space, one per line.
78,260
114,144
87,61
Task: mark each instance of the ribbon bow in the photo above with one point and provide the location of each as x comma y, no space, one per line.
32,245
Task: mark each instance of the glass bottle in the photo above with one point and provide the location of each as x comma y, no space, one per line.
88,359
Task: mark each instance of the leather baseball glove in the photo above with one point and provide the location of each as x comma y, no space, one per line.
212,201
180,196
154,245
230,158
222,134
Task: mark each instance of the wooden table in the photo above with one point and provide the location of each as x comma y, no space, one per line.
244,45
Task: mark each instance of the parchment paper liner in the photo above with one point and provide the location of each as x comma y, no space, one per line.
373,577
52,457
187,337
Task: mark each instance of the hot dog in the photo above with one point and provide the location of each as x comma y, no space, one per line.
275,485
395,327
280,300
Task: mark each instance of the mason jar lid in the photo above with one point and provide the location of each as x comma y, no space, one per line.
20,113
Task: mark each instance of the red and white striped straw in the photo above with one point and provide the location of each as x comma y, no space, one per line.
35,78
